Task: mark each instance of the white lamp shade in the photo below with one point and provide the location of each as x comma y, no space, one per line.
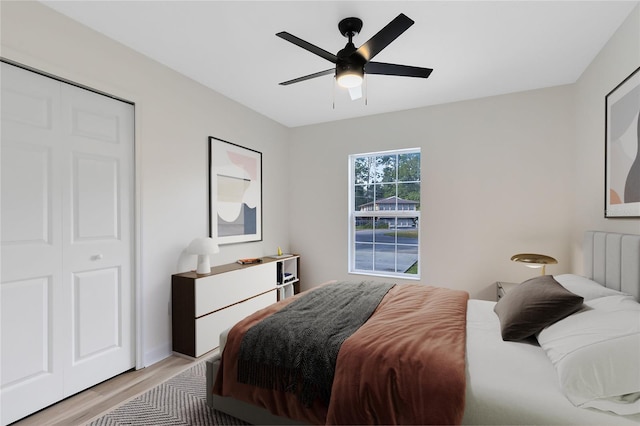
203,247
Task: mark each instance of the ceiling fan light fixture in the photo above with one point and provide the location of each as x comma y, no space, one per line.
349,74
350,79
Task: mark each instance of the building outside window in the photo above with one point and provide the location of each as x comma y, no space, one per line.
384,213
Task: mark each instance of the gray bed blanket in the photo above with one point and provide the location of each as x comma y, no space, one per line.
295,349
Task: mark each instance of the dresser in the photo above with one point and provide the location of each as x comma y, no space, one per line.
205,305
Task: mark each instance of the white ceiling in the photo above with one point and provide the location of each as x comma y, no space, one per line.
476,48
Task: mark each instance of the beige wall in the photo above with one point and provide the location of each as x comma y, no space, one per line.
617,60
174,117
496,174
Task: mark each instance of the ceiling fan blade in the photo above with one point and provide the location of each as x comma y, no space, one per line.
384,37
395,69
308,77
308,46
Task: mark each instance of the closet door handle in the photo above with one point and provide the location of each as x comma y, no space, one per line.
97,257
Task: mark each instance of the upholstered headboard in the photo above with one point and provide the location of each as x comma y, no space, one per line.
613,260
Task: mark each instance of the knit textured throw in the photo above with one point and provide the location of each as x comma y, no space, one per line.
295,349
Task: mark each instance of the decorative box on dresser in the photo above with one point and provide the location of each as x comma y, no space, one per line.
203,306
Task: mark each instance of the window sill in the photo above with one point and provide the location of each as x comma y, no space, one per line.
411,277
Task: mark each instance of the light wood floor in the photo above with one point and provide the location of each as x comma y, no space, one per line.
86,405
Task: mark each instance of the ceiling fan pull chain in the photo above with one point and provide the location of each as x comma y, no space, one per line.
366,90
333,93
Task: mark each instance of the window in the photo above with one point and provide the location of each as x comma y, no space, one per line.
384,213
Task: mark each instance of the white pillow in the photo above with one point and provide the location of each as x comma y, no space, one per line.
596,353
584,287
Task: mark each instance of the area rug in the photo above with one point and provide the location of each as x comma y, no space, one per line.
180,400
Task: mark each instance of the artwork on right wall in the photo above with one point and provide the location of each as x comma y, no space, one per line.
622,155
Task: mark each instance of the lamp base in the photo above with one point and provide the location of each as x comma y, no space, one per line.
204,266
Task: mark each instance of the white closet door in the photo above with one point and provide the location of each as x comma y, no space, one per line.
97,221
30,203
65,213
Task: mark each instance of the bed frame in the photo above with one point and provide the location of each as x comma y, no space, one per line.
613,260
610,259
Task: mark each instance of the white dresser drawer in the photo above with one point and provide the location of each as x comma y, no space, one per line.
218,291
209,327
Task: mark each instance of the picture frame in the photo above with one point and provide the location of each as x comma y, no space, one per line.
622,149
235,192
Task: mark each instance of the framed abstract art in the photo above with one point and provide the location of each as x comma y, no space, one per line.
622,155
235,192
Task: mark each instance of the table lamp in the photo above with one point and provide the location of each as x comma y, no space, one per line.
533,260
203,247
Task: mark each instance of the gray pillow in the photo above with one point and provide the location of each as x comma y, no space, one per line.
531,306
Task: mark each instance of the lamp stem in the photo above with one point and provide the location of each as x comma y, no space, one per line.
542,271
204,267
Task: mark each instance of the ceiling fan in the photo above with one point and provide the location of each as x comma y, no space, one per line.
352,63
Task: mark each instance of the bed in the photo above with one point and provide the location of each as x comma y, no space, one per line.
524,381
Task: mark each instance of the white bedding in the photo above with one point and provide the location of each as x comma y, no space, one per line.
516,383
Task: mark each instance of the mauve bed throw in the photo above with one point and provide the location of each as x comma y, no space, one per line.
405,365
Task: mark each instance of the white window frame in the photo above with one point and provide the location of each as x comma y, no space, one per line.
353,214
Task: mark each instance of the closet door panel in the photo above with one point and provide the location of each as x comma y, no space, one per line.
96,330
97,207
31,252
27,350
29,103
30,181
29,209
95,183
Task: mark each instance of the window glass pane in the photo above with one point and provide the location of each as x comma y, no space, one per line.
363,198
364,229
407,232
407,257
386,227
409,167
385,258
364,256
386,168
409,196
385,196
364,167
